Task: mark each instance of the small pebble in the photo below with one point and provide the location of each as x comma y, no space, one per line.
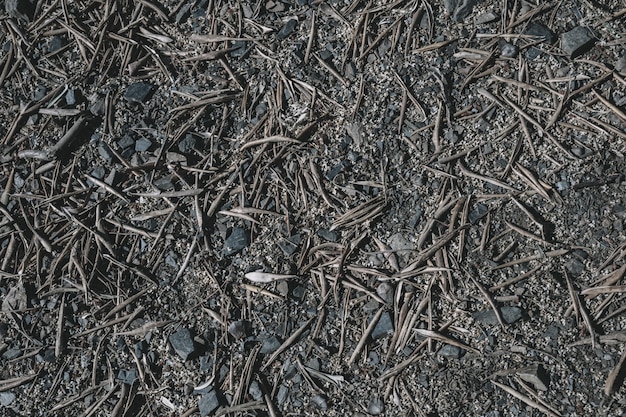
270,345
182,343
138,92
287,29
208,403
255,391
236,241
384,327
451,352
142,145
508,50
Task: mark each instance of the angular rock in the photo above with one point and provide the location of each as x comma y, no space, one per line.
486,18
127,376
236,241
384,327
510,314
577,41
478,212
255,391
328,235
451,352
290,245
536,376
15,300
540,31
237,329
270,345
187,144
182,343
463,10
138,92
287,28
208,403
142,145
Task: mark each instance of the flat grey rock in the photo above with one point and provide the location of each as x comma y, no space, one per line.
142,145
236,241
287,29
510,314
208,403
577,41
451,352
376,406
270,345
536,376
138,92
182,342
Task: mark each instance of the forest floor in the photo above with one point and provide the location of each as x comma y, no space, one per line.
302,207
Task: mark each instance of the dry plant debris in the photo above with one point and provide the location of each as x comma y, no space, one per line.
309,207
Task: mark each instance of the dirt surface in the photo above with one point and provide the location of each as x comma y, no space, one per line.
312,208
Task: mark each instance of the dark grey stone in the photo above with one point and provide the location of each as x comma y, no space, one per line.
138,92
478,212
574,266
384,327
451,352
536,375
127,376
208,403
282,394
541,31
510,314
187,144
319,401
236,242
290,245
182,343
56,43
255,391
508,50
287,29
237,329
40,92
270,345
126,141
98,172
12,354
164,183
577,41
328,235
142,145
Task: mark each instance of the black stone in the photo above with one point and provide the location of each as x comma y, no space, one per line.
577,41
328,235
479,211
508,50
290,245
236,242
541,31
510,314
187,144
138,92
384,327
125,142
451,352
208,403
183,344
287,29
